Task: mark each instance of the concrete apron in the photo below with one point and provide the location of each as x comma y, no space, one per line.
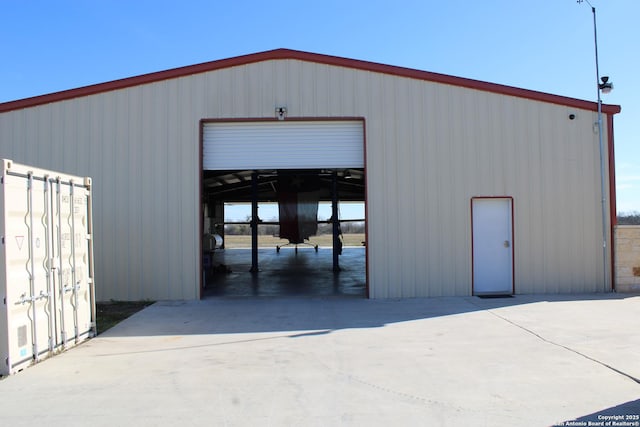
327,361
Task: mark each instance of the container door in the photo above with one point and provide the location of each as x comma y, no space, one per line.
71,249
492,234
29,297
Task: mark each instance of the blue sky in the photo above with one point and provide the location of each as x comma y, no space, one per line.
544,45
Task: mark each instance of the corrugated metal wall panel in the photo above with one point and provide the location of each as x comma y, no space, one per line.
479,145
430,148
146,244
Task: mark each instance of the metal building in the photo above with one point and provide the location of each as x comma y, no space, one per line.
471,187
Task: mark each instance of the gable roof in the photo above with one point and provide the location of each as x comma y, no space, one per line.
279,54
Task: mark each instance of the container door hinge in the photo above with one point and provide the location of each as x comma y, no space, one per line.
3,240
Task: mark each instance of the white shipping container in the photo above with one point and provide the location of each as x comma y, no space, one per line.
46,264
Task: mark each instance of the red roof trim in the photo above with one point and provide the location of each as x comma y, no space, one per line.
304,56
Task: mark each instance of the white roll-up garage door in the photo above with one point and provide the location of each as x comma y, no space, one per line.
283,145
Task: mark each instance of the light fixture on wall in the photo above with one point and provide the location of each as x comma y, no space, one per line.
281,113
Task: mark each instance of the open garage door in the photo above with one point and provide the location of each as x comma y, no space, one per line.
289,163
283,145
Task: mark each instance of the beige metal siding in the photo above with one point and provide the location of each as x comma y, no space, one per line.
430,149
466,143
145,186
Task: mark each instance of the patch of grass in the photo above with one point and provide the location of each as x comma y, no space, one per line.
264,241
110,313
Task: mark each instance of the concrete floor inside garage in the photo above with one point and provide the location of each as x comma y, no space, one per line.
287,273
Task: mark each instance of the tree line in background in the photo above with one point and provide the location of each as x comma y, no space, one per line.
629,218
274,230
625,218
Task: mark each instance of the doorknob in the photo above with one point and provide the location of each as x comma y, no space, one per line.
506,244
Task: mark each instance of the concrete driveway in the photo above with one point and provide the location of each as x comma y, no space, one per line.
522,361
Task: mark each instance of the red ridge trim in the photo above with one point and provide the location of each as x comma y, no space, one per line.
283,54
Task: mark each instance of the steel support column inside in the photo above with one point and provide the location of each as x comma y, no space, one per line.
335,222
254,222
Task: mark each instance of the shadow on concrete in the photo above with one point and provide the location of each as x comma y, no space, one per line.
303,316
626,414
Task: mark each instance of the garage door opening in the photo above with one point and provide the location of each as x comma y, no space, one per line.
289,229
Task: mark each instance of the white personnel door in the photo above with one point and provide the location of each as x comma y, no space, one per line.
492,225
